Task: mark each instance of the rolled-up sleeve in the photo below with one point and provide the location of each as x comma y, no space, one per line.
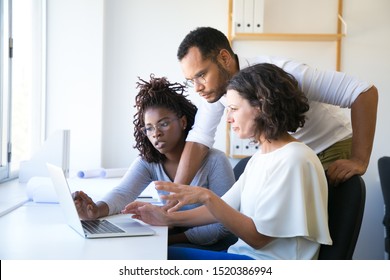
325,86
333,87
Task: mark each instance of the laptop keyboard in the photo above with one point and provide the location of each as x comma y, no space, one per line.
100,226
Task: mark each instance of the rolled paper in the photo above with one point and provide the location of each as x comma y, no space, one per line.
113,172
89,173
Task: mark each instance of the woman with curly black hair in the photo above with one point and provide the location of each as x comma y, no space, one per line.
278,206
161,124
159,94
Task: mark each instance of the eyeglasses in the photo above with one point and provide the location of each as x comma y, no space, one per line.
160,126
200,80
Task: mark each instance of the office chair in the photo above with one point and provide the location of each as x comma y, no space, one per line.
384,177
240,166
346,204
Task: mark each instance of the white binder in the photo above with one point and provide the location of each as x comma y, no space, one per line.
248,16
236,144
258,16
238,16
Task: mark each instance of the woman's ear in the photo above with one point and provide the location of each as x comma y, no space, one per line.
183,121
257,110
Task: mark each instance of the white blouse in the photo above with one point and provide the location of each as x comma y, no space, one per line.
285,193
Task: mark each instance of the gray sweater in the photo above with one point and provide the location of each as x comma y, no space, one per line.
215,174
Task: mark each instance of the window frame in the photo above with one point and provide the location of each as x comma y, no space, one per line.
5,70
9,169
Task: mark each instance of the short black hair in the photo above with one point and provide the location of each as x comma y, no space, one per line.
208,40
282,104
159,93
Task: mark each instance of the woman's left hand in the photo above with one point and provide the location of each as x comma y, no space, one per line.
184,194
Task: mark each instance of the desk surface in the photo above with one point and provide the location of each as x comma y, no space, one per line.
38,231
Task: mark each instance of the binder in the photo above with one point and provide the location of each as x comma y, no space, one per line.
236,144
238,16
246,147
248,16
258,16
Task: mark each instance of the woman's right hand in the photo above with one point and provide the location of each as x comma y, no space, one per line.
86,208
148,213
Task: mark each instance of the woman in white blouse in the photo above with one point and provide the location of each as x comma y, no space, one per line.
278,207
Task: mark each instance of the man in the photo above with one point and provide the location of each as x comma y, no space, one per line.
344,147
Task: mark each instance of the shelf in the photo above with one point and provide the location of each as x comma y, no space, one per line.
342,30
288,36
239,156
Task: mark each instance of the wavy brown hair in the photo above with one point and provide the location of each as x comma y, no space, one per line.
159,93
282,104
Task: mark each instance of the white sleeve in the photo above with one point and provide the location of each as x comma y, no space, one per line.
207,120
233,196
333,87
294,201
329,87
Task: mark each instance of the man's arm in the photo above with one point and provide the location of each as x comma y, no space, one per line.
363,117
199,140
190,162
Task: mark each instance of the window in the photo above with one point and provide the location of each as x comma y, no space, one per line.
22,76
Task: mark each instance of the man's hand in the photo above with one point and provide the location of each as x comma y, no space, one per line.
343,169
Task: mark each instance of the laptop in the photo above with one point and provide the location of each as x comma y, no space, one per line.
118,226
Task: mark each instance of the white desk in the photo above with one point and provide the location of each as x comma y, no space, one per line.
38,231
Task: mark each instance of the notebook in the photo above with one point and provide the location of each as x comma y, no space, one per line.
121,225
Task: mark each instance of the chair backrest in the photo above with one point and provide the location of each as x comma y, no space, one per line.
346,204
239,167
384,177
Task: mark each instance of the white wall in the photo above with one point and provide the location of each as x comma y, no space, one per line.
97,49
141,37
366,55
75,75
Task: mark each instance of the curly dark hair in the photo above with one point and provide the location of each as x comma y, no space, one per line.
282,104
159,93
208,40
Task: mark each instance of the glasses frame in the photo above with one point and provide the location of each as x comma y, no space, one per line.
200,78
162,125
